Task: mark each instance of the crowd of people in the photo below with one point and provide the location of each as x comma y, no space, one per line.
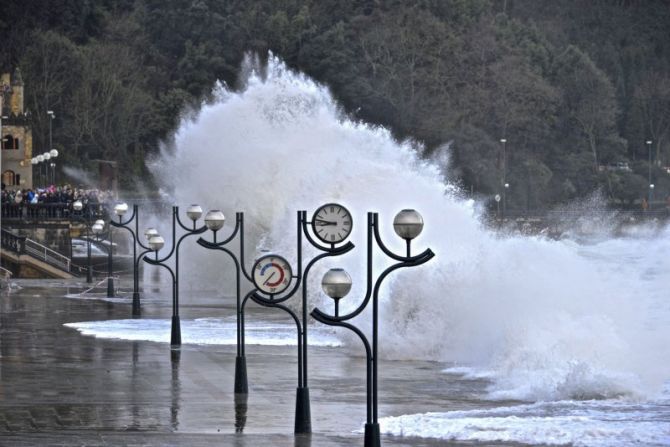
65,194
52,201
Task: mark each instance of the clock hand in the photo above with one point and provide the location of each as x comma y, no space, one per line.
269,278
323,223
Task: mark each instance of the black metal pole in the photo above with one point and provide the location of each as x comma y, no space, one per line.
110,272
303,412
241,382
136,281
89,276
372,433
136,311
136,261
175,335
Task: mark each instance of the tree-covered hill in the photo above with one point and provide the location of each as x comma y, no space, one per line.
575,88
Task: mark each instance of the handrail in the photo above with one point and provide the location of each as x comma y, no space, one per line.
47,255
23,245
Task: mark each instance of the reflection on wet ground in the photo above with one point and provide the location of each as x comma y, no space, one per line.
58,387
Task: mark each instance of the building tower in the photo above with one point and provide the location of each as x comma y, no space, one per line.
16,136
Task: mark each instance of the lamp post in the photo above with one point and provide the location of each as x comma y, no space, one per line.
651,194
97,229
78,207
47,157
503,141
51,115
503,177
214,221
505,188
241,386
34,162
120,210
273,299
40,159
110,248
331,216
497,199
651,186
54,154
407,224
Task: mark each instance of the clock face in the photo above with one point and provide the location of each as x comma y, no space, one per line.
272,274
332,223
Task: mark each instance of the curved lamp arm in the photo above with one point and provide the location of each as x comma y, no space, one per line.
386,250
123,224
414,261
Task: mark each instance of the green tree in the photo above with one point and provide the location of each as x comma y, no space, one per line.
588,100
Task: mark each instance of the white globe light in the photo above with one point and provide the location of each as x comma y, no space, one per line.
336,283
156,242
150,232
215,220
408,224
194,212
120,209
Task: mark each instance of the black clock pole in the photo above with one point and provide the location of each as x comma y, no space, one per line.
136,310
175,334
372,433
241,383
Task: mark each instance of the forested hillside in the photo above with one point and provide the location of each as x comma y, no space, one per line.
576,88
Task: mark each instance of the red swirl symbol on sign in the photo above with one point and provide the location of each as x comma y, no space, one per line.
279,269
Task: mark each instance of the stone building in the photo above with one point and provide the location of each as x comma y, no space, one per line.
15,134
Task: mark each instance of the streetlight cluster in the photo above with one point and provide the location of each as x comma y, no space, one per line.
274,281
97,228
47,175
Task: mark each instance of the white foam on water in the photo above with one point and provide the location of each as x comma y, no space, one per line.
553,320
203,331
578,423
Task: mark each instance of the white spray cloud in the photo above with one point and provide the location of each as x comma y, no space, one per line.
550,320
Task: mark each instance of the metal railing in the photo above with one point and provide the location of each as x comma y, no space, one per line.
23,245
50,211
12,242
51,257
559,215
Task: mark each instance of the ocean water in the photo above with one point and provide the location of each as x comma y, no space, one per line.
203,331
575,331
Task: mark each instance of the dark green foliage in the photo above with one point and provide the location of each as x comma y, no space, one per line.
576,88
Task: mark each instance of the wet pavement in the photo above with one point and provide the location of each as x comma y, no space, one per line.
60,388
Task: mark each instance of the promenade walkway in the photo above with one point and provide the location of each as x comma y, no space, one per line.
61,388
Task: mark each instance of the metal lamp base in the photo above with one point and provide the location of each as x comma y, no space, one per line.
175,339
303,417
110,287
372,438
136,304
241,386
